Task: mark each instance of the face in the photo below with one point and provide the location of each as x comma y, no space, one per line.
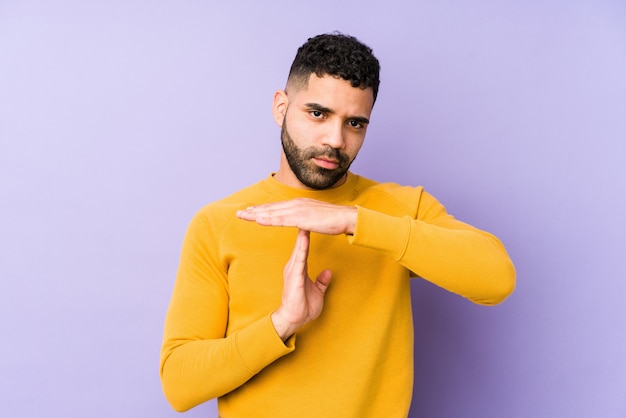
332,164
323,127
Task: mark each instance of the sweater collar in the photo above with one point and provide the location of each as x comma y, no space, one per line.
284,192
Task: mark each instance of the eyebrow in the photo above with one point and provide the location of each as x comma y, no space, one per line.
317,106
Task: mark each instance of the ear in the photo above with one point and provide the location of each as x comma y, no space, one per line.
279,108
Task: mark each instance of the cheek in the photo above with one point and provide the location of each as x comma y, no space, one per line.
301,133
354,146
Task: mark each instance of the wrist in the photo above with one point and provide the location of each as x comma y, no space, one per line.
282,326
351,215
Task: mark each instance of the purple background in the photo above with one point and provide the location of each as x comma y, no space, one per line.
120,119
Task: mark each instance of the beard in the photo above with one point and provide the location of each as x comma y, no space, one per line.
305,170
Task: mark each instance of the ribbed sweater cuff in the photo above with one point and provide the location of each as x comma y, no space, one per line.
259,345
381,232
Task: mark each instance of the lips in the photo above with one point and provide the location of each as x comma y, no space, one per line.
326,163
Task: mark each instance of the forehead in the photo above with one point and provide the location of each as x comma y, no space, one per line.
336,94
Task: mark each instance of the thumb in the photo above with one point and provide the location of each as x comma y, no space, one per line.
323,280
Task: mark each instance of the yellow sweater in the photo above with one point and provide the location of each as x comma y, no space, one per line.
356,359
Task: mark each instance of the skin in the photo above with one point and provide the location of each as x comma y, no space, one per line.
322,119
328,118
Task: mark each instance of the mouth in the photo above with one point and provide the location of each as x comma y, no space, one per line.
326,163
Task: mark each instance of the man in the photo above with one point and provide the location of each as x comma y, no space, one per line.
248,325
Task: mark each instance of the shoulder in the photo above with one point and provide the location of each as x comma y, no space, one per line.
399,200
404,198
236,199
219,213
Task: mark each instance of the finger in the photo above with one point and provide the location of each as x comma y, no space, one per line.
281,207
301,248
279,217
266,216
323,280
246,215
297,263
281,204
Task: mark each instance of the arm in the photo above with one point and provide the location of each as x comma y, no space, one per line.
198,361
429,242
437,247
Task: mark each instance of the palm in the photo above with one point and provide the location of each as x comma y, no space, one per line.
303,298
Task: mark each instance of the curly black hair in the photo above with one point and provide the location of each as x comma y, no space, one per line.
338,55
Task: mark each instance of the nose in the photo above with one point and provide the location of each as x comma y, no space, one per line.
334,137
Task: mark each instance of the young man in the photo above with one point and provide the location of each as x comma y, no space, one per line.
247,324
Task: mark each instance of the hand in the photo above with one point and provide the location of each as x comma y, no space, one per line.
308,214
302,299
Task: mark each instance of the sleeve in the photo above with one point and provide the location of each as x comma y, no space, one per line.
438,248
198,361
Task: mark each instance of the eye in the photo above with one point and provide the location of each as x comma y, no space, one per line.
317,114
355,124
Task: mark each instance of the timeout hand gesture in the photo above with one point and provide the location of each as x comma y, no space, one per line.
302,299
